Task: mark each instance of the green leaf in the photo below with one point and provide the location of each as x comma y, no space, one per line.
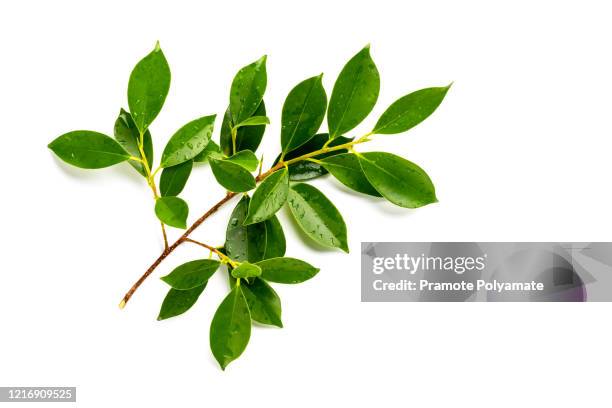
172,211
246,270
246,159
147,89
346,169
410,110
253,242
286,270
127,135
88,150
254,121
317,216
173,179
178,302
398,180
269,197
211,150
230,328
354,95
232,176
191,274
188,141
247,138
264,303
247,90
303,112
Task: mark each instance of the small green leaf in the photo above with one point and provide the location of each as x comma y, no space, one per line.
398,180
253,242
188,141
286,270
88,150
127,135
173,179
247,138
246,270
172,211
230,328
269,197
410,110
148,87
191,274
317,216
247,90
246,159
254,121
211,150
232,176
346,169
303,112
178,302
354,95
264,303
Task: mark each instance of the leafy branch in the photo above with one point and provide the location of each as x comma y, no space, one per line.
254,249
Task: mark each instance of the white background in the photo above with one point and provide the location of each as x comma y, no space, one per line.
519,151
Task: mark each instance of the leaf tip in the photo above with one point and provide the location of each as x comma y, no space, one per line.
157,47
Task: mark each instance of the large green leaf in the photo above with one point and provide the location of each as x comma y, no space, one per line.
317,216
264,303
230,328
127,134
246,270
178,302
253,242
269,197
286,270
232,176
246,159
211,150
303,112
172,211
147,89
397,179
354,95
88,150
346,169
173,179
247,90
191,274
410,110
188,141
247,137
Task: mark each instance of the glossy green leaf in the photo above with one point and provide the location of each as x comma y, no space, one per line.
247,138
286,270
173,179
127,135
191,274
178,302
254,121
397,179
247,90
354,95
246,159
232,176
246,270
230,328
188,141
269,197
410,110
172,211
264,303
211,150
317,216
346,169
253,242
148,87
88,150
303,112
